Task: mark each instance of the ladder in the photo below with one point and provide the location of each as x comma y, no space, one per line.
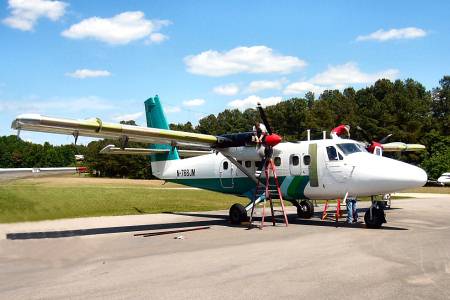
268,191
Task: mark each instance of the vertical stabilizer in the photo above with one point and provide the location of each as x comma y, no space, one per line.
156,119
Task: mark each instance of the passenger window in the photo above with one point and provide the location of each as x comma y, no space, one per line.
239,162
306,160
332,153
257,164
225,165
295,160
277,161
248,164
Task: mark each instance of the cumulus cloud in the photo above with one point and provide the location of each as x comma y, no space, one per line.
349,73
251,102
25,13
157,38
194,102
338,77
86,73
255,59
172,109
302,87
260,85
382,35
118,30
227,89
128,117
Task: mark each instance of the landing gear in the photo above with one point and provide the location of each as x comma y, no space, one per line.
374,217
238,214
305,209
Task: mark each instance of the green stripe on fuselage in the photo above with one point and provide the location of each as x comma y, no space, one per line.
245,186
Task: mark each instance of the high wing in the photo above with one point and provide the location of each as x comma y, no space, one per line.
96,128
398,146
112,149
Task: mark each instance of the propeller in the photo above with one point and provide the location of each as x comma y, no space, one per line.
373,142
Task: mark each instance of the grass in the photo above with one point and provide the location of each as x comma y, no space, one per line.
430,189
50,198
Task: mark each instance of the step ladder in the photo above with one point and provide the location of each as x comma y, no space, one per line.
338,208
267,192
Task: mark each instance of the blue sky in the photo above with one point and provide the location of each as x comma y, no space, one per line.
81,59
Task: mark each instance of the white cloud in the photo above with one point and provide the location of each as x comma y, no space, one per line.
393,34
157,38
227,89
194,102
338,77
302,87
25,13
86,73
349,73
251,102
172,109
260,85
118,30
128,117
255,59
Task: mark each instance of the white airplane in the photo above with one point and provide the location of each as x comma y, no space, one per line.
307,170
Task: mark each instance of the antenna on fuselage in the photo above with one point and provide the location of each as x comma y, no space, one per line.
324,134
308,134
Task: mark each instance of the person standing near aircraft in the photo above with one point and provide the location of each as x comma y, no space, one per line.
259,131
352,212
342,129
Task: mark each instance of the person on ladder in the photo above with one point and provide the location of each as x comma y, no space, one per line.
352,211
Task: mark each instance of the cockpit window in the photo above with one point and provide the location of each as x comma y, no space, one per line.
349,148
332,153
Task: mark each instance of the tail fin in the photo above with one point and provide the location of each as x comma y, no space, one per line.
156,119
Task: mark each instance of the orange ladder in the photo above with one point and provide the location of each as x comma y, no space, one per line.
266,192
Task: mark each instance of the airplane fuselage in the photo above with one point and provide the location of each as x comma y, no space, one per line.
317,169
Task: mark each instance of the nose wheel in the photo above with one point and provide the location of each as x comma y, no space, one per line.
305,209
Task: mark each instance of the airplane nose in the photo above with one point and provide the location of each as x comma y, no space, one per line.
379,175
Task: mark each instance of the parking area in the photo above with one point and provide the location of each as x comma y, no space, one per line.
409,258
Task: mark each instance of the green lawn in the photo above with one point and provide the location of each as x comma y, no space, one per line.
32,200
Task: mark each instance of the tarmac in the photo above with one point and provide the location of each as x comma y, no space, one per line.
98,258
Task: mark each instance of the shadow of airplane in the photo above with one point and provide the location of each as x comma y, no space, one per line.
218,219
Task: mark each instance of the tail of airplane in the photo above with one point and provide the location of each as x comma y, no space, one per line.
156,119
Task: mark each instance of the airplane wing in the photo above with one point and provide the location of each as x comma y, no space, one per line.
96,128
398,146
112,149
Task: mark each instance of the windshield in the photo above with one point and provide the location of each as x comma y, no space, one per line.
349,148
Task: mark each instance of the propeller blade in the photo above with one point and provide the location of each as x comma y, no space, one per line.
365,134
262,113
383,140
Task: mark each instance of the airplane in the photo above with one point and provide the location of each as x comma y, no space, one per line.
307,170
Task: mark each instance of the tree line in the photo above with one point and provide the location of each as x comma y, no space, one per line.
405,109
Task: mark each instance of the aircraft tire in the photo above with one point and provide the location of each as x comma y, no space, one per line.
305,209
377,218
238,214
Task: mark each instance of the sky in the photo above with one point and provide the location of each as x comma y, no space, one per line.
82,59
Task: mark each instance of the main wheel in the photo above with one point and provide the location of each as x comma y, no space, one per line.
305,209
238,214
377,218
